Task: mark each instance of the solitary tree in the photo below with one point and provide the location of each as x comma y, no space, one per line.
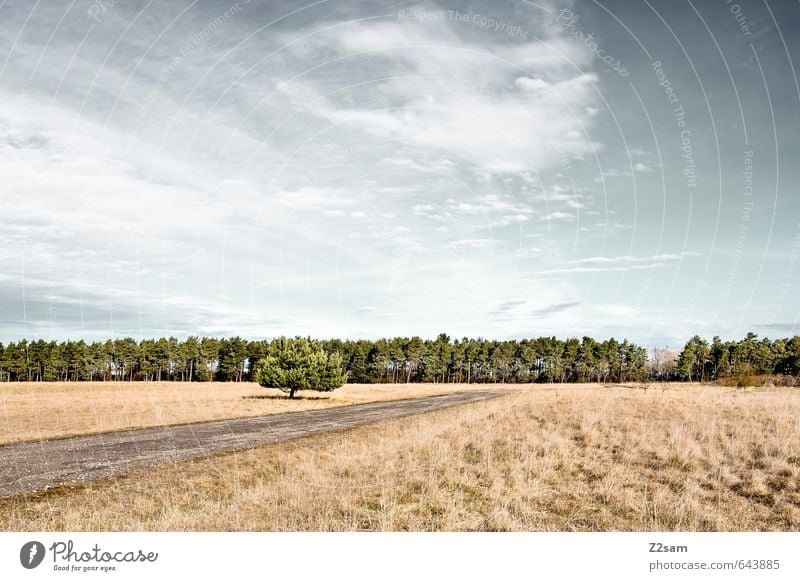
297,364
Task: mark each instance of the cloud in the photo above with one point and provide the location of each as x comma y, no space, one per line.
472,243
311,199
627,259
512,309
613,310
619,263
491,205
563,216
547,311
340,160
510,219
422,209
442,93
533,84
790,328
506,306
54,305
612,173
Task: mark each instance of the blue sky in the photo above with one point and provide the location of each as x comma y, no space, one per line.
366,169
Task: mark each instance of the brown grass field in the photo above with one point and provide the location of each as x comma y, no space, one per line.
37,411
542,458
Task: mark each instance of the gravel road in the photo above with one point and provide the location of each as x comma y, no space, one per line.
35,466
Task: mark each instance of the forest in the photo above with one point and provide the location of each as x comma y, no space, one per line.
405,360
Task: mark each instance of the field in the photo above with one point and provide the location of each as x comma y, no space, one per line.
37,411
542,458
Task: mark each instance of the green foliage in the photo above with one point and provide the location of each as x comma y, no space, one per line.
744,376
404,360
232,359
694,360
300,364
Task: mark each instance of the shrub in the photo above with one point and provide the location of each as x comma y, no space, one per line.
744,376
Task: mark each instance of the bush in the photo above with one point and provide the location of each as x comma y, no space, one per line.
300,364
744,376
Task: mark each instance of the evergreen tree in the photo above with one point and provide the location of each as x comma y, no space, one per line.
300,364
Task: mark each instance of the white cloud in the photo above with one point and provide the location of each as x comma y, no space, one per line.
402,168
558,216
473,243
623,260
513,219
473,119
612,310
311,199
619,263
612,173
534,84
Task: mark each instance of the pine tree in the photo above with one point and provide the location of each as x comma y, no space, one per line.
300,364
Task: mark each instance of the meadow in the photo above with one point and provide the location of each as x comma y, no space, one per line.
540,458
31,411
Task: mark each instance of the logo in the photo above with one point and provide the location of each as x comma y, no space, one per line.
31,554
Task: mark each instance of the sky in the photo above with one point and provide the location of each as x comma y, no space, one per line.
374,169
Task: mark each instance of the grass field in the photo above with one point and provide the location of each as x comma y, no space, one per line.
543,458
37,411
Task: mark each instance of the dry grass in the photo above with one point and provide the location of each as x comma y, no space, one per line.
540,459
37,411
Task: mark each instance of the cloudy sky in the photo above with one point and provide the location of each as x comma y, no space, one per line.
365,169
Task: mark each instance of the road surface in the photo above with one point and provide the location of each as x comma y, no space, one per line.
36,466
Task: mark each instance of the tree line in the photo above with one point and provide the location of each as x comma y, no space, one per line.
402,360
703,361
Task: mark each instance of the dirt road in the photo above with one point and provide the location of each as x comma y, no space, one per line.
36,466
